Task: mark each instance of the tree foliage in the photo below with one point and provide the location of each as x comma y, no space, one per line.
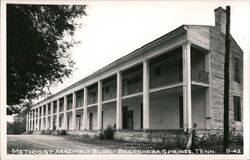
18,126
37,53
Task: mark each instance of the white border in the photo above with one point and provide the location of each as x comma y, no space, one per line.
3,138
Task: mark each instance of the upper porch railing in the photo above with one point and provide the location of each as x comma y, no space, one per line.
109,95
200,76
177,76
165,79
133,88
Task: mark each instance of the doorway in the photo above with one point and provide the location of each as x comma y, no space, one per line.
127,118
68,118
78,122
181,111
90,121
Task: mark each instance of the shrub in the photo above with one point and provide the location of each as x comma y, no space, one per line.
30,132
61,132
101,136
43,131
109,133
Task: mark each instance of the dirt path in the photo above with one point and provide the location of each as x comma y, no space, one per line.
46,142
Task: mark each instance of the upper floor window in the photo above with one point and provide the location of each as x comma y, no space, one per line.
49,108
157,71
236,69
61,105
54,106
69,102
107,89
237,108
79,98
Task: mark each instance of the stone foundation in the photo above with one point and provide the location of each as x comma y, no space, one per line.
172,138
90,134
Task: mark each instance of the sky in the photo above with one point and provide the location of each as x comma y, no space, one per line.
113,29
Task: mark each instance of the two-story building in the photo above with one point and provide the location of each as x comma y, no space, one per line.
175,82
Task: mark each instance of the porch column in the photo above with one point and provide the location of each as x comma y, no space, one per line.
31,120
119,101
51,115
187,98
208,91
42,122
35,120
57,113
145,94
46,117
65,113
99,106
85,95
27,121
74,111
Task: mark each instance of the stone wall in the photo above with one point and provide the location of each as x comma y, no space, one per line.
172,138
217,51
90,134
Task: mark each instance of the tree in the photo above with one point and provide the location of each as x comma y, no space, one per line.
18,126
37,53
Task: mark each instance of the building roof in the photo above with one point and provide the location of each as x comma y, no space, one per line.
180,30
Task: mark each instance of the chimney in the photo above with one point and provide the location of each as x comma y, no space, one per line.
220,19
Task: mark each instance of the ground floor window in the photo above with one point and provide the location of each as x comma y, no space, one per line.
237,108
60,121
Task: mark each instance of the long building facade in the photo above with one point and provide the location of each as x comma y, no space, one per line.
175,82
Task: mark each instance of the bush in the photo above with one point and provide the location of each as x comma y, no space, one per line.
43,131
61,132
109,133
30,132
101,136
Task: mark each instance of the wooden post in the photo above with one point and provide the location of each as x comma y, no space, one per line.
226,81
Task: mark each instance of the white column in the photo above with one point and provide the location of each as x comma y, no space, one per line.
42,122
187,101
51,111
38,118
119,101
65,113
27,121
99,106
57,113
85,94
35,120
32,120
73,110
208,91
145,94
46,117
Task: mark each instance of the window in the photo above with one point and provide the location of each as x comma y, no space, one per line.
69,102
135,80
157,71
44,110
54,106
236,69
60,121
61,104
237,108
79,99
49,108
107,89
